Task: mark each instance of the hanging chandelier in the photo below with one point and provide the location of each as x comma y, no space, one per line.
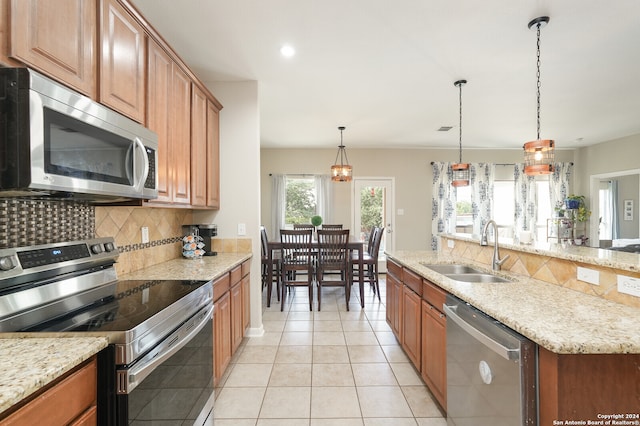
539,154
460,169
342,172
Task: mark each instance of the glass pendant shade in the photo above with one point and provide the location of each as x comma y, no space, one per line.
341,172
539,157
460,174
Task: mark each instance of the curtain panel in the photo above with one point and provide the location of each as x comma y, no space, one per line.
482,177
443,201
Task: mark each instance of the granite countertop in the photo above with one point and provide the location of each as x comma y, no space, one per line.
561,320
205,268
28,364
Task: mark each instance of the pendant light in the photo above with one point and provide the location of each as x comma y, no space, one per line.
342,172
460,169
539,154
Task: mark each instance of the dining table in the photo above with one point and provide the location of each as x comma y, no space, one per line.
354,246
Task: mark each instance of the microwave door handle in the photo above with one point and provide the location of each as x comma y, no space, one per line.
138,186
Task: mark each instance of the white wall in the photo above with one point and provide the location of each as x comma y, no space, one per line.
411,169
240,177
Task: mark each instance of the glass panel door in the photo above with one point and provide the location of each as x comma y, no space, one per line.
373,206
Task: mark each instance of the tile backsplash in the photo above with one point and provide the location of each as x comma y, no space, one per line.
27,222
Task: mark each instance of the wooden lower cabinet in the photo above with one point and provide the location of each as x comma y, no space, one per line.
579,387
411,325
222,337
237,330
434,352
246,304
70,400
394,304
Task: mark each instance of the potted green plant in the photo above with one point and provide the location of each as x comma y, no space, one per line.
316,221
577,202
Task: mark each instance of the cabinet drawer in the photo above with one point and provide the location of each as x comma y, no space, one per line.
246,267
220,286
394,269
412,280
76,393
433,294
236,275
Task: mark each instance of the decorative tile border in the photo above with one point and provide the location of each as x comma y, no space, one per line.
156,243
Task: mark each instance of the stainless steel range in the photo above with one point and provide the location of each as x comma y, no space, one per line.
159,364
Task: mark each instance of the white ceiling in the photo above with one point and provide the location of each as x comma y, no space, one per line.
385,69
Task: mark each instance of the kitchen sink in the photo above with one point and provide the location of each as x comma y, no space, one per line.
477,278
452,269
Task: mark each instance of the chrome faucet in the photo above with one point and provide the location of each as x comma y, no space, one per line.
496,262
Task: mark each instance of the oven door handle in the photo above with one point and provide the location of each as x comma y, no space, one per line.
130,378
497,347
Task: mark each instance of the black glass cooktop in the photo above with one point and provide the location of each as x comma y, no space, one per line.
130,304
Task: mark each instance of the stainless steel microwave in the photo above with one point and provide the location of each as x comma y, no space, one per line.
57,142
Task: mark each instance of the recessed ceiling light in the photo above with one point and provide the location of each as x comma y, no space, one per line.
287,51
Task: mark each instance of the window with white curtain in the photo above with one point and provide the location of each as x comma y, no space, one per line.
300,200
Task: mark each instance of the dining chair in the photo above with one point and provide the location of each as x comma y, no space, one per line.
296,261
336,226
275,262
333,256
370,261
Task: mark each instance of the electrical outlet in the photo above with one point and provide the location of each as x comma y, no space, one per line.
145,234
629,285
588,275
242,229
450,243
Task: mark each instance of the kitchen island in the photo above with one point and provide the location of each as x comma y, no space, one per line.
588,347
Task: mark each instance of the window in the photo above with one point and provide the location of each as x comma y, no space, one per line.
301,199
504,208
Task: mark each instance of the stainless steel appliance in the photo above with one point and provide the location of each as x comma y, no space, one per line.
159,364
57,142
491,370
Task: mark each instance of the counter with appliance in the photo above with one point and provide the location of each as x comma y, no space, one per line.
559,319
56,295
29,364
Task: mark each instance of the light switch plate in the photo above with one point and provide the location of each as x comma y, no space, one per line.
145,234
629,285
588,275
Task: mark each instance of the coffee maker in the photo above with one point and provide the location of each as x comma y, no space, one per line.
207,232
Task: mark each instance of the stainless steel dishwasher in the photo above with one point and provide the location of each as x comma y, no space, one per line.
491,370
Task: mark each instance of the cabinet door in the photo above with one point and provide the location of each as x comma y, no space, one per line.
411,325
122,67
246,304
434,352
159,92
57,38
222,349
394,305
237,330
198,147
181,137
213,156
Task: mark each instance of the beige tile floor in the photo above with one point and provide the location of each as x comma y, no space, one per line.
328,368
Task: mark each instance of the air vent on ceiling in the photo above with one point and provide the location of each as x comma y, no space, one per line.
445,128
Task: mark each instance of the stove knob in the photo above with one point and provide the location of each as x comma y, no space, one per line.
96,249
109,247
6,264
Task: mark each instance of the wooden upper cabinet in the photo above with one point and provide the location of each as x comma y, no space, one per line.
180,124
213,155
57,38
159,89
169,114
122,67
199,143
205,151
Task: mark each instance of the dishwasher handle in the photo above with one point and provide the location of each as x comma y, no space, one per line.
497,347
